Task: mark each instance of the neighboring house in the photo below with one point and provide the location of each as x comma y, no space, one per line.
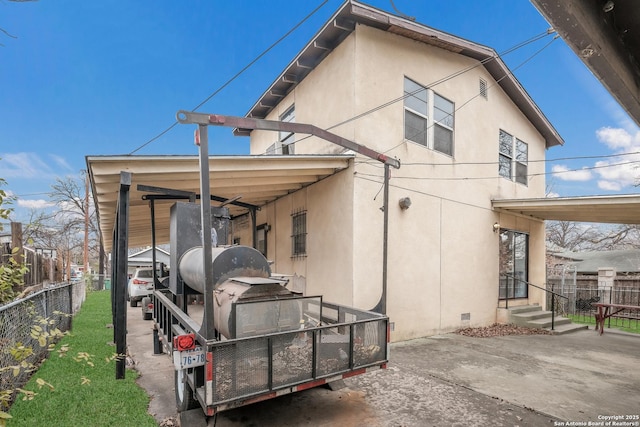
144,258
464,130
623,261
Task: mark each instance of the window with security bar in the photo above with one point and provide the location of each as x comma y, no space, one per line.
299,234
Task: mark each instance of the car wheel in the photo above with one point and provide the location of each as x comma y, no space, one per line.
133,303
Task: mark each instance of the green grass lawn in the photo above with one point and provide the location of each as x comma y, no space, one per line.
79,388
626,325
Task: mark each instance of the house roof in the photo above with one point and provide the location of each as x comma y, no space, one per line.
606,37
257,179
623,261
343,23
622,209
146,253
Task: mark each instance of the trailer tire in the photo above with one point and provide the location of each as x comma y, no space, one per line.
146,314
184,395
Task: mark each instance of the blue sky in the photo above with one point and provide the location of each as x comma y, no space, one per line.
104,77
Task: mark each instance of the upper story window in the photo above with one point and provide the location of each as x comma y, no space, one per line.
513,158
286,140
428,118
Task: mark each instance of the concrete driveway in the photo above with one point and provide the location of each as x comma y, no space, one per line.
447,380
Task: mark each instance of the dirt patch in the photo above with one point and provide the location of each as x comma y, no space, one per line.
497,330
169,422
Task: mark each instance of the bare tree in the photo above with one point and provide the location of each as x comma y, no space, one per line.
63,228
578,236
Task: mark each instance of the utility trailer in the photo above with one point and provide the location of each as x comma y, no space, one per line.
267,341
256,339
222,374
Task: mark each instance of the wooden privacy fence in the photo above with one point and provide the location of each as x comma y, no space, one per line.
42,264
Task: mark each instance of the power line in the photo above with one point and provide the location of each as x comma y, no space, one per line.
509,72
228,82
474,178
424,193
558,159
444,79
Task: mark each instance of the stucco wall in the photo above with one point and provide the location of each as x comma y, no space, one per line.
443,251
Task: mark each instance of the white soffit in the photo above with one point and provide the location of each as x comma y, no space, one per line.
622,209
257,179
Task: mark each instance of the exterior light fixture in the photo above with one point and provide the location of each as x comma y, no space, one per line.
496,227
404,203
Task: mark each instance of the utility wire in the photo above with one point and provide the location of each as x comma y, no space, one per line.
426,178
509,72
228,82
447,78
441,80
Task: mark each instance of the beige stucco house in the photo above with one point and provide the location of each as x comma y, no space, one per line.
463,227
465,132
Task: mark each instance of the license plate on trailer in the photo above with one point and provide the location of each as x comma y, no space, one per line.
189,358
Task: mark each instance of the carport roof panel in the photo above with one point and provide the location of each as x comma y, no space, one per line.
620,209
257,179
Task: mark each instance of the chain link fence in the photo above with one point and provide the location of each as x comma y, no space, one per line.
28,327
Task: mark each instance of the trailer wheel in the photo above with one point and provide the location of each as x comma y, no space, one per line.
146,314
184,395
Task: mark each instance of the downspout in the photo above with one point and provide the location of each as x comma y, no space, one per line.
381,307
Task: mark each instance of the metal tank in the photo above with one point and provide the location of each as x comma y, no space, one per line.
247,301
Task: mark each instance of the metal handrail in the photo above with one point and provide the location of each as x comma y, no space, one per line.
553,296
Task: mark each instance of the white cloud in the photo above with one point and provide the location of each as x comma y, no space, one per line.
609,185
24,165
61,161
619,139
27,165
564,173
34,204
623,171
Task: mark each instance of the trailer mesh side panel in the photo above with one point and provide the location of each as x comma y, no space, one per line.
333,351
241,369
252,366
292,359
369,341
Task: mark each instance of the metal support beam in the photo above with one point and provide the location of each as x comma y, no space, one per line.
381,307
202,140
203,120
187,117
119,294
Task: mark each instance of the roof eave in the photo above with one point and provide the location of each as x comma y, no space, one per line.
344,21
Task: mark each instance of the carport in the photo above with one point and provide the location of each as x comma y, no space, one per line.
243,183
134,194
620,209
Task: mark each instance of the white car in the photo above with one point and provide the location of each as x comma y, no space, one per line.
140,285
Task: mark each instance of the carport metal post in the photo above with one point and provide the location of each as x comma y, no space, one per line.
119,300
202,141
